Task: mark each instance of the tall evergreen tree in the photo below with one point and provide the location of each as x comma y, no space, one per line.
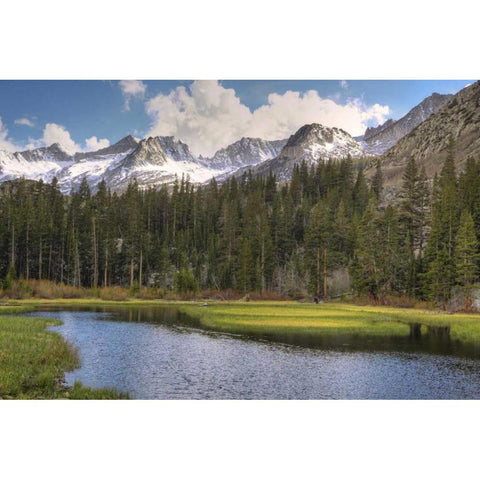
466,257
377,181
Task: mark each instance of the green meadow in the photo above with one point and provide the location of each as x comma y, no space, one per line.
267,318
279,317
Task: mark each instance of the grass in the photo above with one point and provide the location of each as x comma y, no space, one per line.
40,357
33,360
270,317
288,318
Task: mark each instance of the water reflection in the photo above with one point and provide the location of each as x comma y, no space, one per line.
160,353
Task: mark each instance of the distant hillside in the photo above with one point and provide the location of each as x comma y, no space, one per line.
459,117
379,139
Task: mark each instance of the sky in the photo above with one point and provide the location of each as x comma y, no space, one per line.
205,114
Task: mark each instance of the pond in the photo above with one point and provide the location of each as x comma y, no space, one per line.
159,353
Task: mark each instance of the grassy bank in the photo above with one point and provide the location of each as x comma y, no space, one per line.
259,318
288,318
33,360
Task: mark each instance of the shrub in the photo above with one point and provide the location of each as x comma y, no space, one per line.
114,293
149,293
267,295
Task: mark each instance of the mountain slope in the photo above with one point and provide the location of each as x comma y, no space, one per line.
372,131
245,152
41,163
157,160
459,117
378,140
311,143
152,161
124,145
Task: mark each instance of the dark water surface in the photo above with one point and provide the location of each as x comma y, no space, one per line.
158,353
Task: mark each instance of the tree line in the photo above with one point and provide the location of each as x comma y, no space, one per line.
253,233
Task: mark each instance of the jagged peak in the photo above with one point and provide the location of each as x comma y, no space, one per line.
316,131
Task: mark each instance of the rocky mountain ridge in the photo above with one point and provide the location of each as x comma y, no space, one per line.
459,117
379,139
152,161
312,143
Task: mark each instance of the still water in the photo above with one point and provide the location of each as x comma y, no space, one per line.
158,353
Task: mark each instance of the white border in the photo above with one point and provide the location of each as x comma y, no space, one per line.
252,39
242,40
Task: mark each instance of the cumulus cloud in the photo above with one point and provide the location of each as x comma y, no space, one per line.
93,143
132,89
5,142
54,133
208,116
344,84
24,121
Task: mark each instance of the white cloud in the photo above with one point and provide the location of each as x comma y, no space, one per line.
93,143
54,133
132,89
5,143
209,116
24,121
344,84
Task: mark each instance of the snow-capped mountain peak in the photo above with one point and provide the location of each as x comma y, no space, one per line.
311,143
158,160
316,142
246,151
54,152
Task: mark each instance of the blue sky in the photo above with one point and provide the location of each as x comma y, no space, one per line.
207,114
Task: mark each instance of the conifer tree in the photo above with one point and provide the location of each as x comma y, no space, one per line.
377,181
440,277
364,268
360,193
466,257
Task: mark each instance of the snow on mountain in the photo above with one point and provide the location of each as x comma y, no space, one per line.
316,142
126,144
41,163
48,162
311,143
152,161
157,160
244,152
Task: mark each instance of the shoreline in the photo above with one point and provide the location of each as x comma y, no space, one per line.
34,360
256,318
38,358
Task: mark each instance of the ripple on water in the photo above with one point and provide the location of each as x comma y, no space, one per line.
168,361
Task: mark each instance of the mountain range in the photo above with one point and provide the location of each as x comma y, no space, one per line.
422,132
152,161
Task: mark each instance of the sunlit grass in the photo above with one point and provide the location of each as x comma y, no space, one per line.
270,317
329,319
